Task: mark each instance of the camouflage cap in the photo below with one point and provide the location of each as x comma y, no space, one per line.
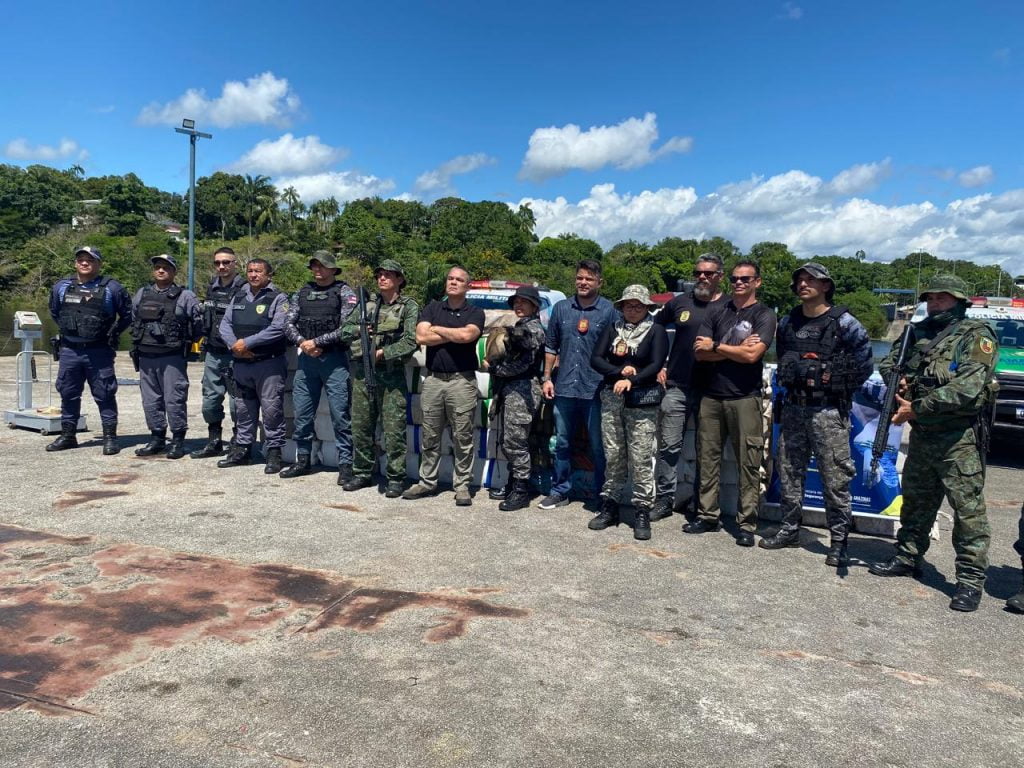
390,265
818,272
326,258
635,293
950,284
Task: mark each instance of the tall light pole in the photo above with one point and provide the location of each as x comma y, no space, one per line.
188,127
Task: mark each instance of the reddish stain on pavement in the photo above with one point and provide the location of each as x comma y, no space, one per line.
62,635
74,498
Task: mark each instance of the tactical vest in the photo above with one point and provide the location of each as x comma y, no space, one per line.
218,299
388,321
812,369
249,318
157,329
319,310
83,312
933,364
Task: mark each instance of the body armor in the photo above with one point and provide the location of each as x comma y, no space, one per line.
83,312
218,299
319,310
811,367
157,328
249,318
933,363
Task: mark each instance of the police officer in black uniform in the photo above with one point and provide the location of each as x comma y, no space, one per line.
91,312
219,295
165,322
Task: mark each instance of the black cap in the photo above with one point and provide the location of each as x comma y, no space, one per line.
527,292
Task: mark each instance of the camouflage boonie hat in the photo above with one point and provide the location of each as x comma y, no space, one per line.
818,272
635,293
950,284
390,265
326,258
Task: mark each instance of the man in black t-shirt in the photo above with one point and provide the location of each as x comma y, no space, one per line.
682,376
449,329
735,338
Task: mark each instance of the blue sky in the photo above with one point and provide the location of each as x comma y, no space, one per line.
830,126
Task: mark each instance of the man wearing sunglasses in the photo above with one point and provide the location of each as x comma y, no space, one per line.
735,338
221,292
682,376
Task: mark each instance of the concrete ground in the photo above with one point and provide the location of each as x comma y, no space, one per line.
161,613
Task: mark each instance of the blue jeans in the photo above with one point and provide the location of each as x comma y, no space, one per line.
570,412
314,375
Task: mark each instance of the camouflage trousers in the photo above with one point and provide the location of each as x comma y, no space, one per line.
824,432
388,408
945,464
628,436
519,401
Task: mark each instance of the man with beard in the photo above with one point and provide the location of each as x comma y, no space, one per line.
682,376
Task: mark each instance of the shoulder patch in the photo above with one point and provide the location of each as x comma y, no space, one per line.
684,316
983,351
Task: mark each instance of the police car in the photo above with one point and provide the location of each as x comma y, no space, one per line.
492,297
1007,323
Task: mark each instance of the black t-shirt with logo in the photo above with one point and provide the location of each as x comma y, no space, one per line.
451,357
729,379
686,314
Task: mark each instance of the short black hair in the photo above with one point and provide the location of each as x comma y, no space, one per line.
269,267
748,263
590,265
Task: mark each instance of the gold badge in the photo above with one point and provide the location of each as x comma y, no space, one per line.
261,308
684,316
986,346
583,325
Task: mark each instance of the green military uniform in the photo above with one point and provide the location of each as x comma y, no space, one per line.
394,332
949,378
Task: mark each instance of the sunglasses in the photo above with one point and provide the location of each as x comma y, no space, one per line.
705,272
741,278
223,263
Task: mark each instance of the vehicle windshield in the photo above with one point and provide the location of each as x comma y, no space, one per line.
495,301
1009,333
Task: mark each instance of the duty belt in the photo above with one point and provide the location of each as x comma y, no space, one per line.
443,376
815,399
84,344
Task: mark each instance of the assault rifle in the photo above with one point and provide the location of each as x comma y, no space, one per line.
892,384
369,354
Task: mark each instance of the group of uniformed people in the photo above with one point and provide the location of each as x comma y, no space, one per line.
602,365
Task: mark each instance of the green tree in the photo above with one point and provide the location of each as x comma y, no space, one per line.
221,207
125,203
257,188
777,264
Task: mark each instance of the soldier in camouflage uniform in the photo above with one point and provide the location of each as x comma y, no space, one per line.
948,383
629,354
517,379
393,336
824,356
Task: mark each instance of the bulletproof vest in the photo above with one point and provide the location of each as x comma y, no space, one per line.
248,318
218,299
933,364
319,310
83,312
156,326
388,321
811,362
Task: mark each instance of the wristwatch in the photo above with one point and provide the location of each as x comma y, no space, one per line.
545,379
714,347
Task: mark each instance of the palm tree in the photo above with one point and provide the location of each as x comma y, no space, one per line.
323,213
255,187
269,216
290,197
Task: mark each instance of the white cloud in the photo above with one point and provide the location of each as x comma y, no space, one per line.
804,211
791,11
439,180
341,185
263,99
20,149
289,155
978,176
554,151
105,109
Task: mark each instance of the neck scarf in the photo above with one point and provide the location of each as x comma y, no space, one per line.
628,336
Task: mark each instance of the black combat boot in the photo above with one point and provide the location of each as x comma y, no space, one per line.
357,483
213,447
344,474
662,508
607,517
517,498
273,461
176,448
642,523
157,442
110,445
299,468
966,599
67,438
895,566
501,493
780,540
1016,603
394,489
837,557
237,456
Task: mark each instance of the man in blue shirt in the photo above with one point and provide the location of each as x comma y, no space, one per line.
91,312
574,327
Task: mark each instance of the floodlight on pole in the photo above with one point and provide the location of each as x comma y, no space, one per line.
188,127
